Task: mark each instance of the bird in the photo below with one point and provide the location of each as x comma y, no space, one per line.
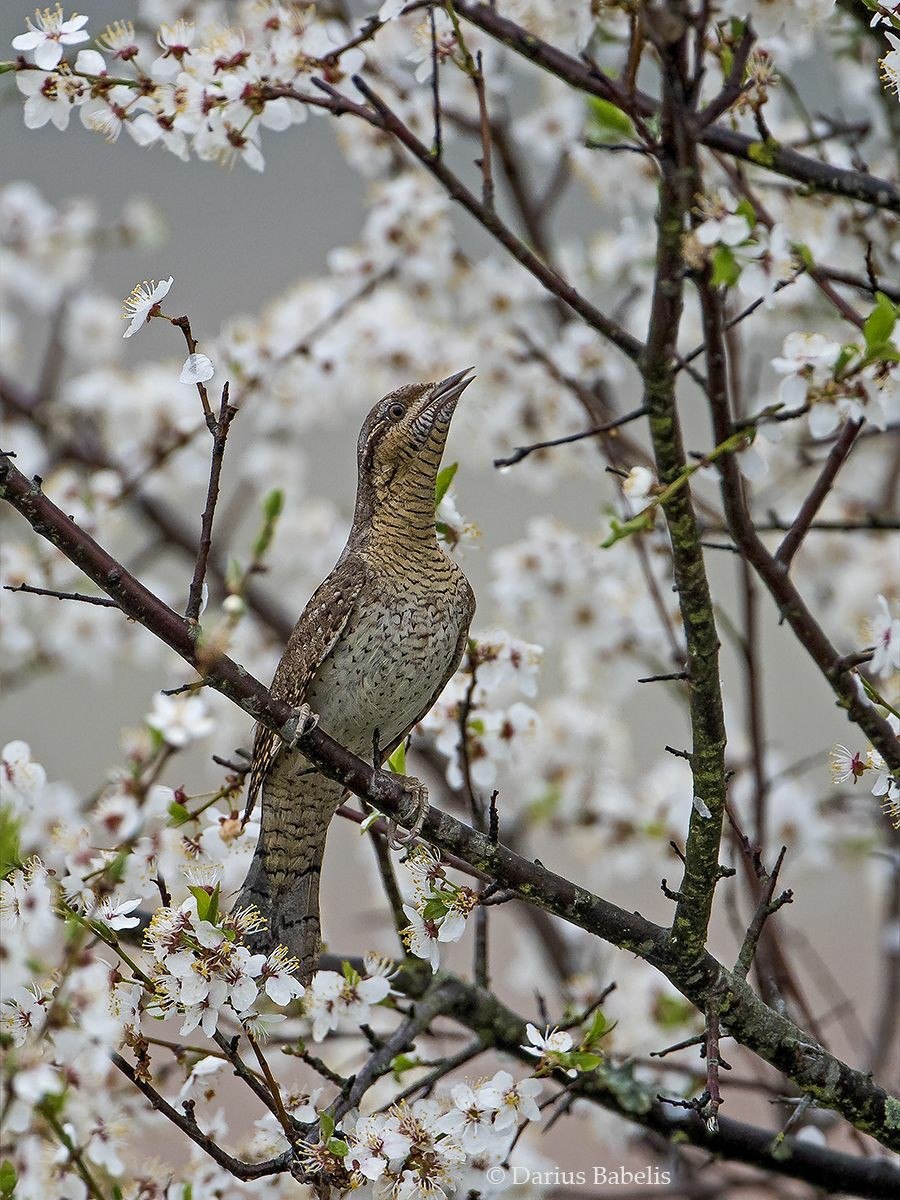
371,653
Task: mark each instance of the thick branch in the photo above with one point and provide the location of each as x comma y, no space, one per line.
615,1089
707,759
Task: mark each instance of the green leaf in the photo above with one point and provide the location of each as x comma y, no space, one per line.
747,211
338,1147
672,1011
434,909
444,479
178,814
273,504
762,152
401,1063
582,1060
326,1124
9,842
847,353
204,900
607,121
726,271
880,322
7,1179
397,761
350,973
598,1029
234,575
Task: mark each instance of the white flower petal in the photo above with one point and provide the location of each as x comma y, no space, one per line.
197,368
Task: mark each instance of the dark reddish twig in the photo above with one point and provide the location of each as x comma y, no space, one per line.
220,435
521,452
837,456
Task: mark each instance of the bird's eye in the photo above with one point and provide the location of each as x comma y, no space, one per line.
396,411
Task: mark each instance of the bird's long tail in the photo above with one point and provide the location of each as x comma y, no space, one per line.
283,880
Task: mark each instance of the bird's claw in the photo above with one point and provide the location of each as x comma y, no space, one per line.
415,810
298,725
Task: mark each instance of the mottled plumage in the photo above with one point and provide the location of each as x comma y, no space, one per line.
372,651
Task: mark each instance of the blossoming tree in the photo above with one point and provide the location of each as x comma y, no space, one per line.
722,217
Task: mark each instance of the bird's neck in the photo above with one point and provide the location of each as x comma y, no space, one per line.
399,519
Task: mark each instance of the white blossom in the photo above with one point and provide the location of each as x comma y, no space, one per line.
197,368
180,720
143,300
49,34
886,635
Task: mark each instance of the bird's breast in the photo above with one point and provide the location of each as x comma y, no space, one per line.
390,659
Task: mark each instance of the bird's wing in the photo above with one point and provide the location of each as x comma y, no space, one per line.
450,672
314,637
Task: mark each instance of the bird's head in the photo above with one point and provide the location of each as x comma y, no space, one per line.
402,440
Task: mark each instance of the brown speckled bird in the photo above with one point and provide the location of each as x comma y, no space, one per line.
370,655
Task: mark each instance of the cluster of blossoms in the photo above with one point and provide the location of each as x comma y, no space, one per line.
851,765
741,250
439,909
202,967
479,724
839,382
439,1145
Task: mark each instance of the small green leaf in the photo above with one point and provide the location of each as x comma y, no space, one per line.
762,152
397,761
747,211
204,899
847,353
598,1029
582,1060
338,1147
7,1180
444,479
234,575
178,814
401,1063
326,1124
350,973
672,1011
607,121
9,842
273,504
726,271
880,322
434,910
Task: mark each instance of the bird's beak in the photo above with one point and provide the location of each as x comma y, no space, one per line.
445,394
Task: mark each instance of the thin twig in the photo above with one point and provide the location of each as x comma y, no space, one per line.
521,452
188,1126
837,456
101,601
764,909
220,435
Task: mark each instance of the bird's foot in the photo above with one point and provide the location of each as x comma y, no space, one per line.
298,725
415,809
